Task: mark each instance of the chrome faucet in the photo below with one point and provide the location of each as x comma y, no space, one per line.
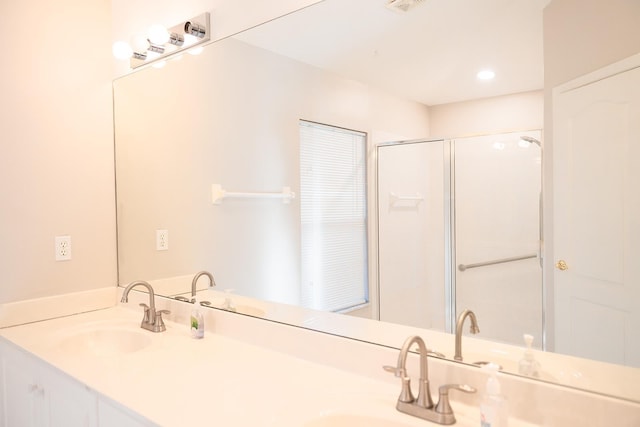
152,320
422,406
473,328
212,283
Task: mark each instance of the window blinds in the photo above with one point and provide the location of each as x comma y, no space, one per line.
333,205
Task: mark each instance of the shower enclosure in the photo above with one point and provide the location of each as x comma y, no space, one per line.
459,227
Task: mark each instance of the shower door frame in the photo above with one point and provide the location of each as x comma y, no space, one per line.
449,163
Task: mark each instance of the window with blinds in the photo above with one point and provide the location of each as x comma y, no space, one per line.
333,210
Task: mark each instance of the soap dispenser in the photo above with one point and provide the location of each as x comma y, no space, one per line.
228,303
196,321
528,365
493,409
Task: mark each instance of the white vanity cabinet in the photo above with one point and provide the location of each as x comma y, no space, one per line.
34,394
111,414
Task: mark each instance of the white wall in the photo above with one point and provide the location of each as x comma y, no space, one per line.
501,114
56,167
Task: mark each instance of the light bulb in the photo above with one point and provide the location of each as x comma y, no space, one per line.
158,35
139,43
122,50
486,75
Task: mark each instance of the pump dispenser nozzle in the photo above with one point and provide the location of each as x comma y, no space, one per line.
528,364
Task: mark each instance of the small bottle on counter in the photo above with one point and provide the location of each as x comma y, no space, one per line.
196,321
528,365
493,409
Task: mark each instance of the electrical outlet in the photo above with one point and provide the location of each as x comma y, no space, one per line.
63,248
162,240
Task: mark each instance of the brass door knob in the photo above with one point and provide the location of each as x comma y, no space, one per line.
562,265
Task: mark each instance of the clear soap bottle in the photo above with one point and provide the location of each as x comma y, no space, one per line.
196,321
493,409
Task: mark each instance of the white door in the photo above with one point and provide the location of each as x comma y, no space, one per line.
596,150
411,234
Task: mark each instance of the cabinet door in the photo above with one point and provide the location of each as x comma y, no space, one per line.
22,395
36,395
113,415
67,402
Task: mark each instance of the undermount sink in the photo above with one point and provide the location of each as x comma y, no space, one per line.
353,420
350,409
249,310
106,341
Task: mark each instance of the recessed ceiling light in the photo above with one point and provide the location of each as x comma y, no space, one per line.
485,75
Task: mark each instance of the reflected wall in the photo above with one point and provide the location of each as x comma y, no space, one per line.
237,127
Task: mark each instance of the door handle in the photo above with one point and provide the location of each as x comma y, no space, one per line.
562,265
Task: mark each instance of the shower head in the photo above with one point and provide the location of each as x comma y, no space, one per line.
531,140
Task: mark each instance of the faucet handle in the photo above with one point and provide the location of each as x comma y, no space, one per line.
443,406
398,372
405,393
146,312
159,314
159,325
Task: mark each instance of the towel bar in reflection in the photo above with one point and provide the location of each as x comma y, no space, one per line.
394,198
218,194
463,267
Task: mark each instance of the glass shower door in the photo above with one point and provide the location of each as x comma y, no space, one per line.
411,234
498,274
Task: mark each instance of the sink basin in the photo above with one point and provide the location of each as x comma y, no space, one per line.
350,409
106,341
353,420
249,310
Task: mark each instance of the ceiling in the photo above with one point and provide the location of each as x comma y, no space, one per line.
430,54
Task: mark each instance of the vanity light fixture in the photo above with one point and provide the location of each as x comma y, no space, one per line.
194,29
161,43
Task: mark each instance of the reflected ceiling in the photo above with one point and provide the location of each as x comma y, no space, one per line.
448,42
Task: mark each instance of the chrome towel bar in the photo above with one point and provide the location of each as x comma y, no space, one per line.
463,267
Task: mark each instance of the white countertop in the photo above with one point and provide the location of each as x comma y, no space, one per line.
251,372
179,381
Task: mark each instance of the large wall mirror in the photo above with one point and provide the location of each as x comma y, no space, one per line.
211,172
